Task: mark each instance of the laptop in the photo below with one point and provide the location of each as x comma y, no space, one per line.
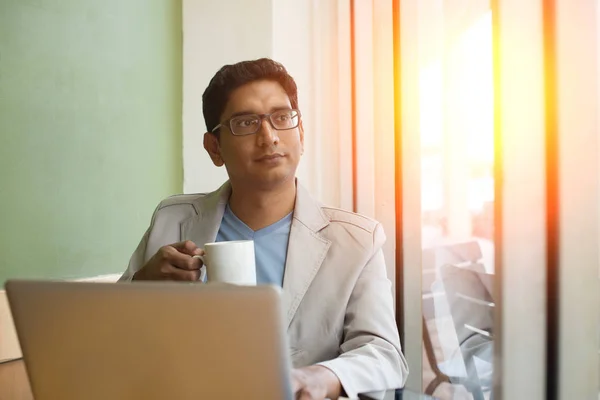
83,340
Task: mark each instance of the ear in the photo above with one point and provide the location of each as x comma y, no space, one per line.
301,130
213,148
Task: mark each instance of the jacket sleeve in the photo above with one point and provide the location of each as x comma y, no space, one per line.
371,358
139,256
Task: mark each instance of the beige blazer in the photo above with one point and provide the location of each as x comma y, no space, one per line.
338,298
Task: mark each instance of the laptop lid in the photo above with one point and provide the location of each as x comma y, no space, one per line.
84,340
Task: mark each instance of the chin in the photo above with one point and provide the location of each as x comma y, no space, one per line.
270,180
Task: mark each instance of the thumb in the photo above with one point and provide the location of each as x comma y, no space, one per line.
187,247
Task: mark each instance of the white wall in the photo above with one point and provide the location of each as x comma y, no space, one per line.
215,33
303,36
9,345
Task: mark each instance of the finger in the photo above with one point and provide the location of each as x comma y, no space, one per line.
180,260
187,247
184,275
200,255
297,384
304,394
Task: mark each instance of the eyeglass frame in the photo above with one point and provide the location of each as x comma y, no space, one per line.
262,117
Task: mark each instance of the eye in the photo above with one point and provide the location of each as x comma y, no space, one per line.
245,122
284,116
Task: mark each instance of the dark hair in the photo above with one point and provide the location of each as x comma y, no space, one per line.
231,77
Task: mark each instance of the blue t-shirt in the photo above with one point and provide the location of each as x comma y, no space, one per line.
270,244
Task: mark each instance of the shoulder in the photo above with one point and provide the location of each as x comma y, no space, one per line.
349,220
181,201
179,207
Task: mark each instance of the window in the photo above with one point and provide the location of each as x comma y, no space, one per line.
457,199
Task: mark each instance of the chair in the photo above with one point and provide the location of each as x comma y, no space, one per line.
428,307
458,253
472,309
432,260
440,377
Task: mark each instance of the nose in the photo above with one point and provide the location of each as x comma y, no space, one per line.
266,135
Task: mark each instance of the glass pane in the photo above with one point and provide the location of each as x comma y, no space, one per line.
457,161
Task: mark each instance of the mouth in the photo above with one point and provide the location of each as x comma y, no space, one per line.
270,157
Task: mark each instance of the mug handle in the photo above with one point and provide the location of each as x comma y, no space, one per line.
203,269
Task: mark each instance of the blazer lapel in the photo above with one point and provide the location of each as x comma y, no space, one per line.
306,251
203,227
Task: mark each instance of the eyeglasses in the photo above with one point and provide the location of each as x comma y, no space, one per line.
248,124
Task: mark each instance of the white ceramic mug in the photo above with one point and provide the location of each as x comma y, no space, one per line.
230,262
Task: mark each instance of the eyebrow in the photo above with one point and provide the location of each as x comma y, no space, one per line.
246,112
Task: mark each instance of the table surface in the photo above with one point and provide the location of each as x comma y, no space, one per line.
14,385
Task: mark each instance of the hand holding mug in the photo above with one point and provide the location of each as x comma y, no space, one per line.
176,262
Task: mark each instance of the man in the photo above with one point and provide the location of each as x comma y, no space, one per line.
329,262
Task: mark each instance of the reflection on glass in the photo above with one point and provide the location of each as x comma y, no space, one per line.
457,160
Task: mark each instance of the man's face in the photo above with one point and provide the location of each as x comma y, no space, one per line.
264,159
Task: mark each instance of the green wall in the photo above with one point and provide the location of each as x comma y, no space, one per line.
90,131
